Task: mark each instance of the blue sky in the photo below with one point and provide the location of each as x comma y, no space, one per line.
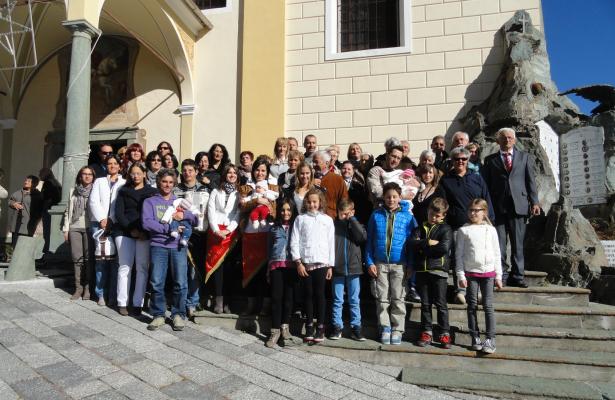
581,43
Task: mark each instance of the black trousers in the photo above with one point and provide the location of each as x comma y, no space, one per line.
283,281
432,289
314,294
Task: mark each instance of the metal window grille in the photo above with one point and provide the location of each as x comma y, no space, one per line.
207,4
367,24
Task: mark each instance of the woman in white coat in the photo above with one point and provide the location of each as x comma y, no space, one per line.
222,236
102,214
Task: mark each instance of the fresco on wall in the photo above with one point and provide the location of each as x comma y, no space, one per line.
112,99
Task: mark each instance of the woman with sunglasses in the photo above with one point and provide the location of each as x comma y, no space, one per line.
153,163
461,187
164,148
76,232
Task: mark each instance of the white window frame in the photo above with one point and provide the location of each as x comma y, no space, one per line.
332,34
219,10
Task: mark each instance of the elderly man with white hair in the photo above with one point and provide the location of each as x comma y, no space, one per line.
333,185
459,139
509,174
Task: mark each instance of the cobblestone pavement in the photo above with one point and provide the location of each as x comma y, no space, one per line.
54,348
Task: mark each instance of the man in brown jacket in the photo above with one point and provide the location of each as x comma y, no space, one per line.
332,184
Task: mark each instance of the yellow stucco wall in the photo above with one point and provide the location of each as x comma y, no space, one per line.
262,92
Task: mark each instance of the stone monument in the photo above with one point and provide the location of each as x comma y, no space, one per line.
562,243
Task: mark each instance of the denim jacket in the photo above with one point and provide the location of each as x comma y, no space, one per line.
279,239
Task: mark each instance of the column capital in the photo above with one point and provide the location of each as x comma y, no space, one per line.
82,26
186,109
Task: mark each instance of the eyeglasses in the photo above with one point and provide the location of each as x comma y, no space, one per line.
164,147
106,153
464,159
476,210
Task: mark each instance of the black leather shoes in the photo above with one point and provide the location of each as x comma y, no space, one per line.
519,284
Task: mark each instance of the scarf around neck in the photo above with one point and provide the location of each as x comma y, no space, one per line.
80,200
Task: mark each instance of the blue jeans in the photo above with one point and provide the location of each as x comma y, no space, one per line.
186,233
161,258
105,273
352,284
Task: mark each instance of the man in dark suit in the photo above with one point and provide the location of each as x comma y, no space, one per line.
509,175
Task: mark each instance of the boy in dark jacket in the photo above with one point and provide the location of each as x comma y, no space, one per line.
432,245
350,235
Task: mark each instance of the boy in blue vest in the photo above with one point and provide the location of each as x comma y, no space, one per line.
350,235
389,227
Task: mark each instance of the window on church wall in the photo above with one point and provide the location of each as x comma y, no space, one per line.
210,4
363,28
367,24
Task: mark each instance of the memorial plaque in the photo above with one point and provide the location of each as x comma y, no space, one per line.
609,250
549,140
582,166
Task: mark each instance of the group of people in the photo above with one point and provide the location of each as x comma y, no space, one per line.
287,229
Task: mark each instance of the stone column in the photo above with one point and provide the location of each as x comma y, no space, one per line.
76,143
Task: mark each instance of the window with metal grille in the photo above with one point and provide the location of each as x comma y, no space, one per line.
209,4
368,24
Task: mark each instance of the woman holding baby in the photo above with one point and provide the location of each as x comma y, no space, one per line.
258,207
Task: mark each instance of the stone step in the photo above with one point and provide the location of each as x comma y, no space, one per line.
535,278
507,386
532,278
543,296
510,336
532,362
594,316
528,337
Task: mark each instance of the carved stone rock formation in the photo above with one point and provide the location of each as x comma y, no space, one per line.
564,244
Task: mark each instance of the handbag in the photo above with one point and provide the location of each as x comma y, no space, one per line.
105,246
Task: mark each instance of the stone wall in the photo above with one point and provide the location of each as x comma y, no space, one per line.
456,57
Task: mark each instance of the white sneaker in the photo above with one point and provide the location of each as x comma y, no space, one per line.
460,298
263,223
489,346
255,224
175,234
183,243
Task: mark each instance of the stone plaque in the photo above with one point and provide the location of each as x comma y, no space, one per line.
549,140
609,250
582,166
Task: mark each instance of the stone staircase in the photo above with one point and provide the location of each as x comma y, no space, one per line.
552,343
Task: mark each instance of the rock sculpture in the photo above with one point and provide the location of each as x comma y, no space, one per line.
563,243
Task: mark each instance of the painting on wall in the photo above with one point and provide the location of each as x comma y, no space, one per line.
112,99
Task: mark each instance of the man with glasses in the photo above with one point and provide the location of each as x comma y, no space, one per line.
459,139
461,187
509,174
100,168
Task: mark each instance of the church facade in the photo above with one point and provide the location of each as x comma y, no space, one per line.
241,73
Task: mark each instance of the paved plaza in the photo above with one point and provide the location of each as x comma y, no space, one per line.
54,348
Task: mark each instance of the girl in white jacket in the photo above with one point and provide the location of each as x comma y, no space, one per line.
477,253
312,247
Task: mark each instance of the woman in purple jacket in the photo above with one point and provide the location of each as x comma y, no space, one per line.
165,248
